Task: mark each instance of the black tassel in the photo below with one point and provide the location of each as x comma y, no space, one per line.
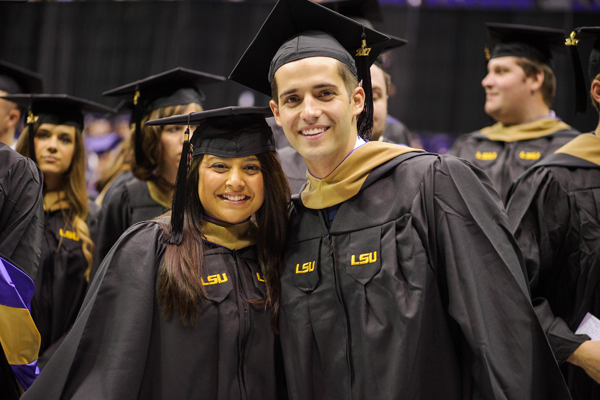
178,205
31,120
365,119
137,118
580,88
580,91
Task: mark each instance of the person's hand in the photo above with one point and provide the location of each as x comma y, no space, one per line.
587,356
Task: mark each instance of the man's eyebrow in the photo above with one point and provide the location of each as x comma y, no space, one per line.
324,85
288,92
319,86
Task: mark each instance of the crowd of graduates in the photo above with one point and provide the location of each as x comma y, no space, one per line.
309,249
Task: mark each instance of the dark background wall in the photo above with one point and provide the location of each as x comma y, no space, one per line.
85,48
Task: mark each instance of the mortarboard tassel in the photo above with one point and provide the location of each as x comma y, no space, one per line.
580,91
31,120
178,206
137,118
365,119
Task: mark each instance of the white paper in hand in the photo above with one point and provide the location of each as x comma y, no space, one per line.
589,326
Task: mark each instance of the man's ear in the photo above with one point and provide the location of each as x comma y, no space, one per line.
275,109
13,117
595,92
536,80
358,100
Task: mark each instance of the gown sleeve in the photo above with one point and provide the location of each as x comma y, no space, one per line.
21,214
104,354
482,279
539,211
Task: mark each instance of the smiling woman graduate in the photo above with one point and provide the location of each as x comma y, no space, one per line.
179,307
53,138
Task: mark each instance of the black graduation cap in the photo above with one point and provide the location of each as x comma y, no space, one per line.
368,10
532,42
175,87
15,79
593,63
392,44
56,109
363,12
297,29
229,132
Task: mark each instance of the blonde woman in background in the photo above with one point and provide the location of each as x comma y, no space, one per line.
69,217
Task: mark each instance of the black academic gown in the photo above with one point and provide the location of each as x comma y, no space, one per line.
129,203
121,347
396,132
21,226
60,284
504,161
416,291
554,212
119,181
21,210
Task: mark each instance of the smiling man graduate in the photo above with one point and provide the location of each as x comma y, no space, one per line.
520,87
400,276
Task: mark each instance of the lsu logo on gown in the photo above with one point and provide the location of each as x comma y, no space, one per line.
530,155
306,267
367,258
68,235
486,155
215,279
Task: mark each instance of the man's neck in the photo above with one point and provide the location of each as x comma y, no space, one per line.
529,115
322,168
8,138
598,129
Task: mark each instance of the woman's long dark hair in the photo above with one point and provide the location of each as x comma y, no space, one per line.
180,286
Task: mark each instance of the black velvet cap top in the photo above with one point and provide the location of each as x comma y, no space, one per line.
392,44
171,88
355,9
57,109
297,29
532,42
229,132
15,79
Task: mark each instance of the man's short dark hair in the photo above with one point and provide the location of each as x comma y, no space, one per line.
532,67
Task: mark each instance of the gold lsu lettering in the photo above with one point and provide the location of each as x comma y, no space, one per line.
306,267
486,155
68,235
259,278
367,258
530,155
215,279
